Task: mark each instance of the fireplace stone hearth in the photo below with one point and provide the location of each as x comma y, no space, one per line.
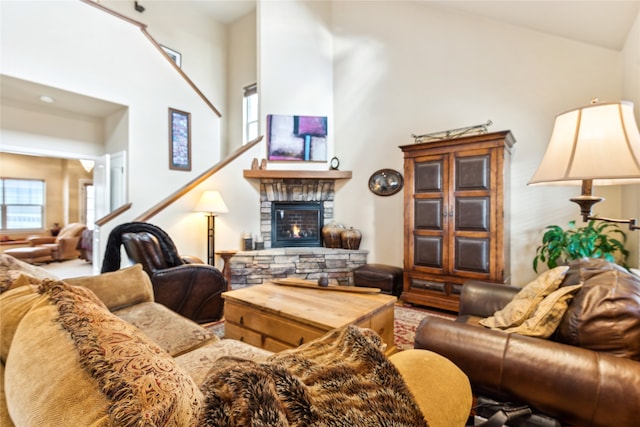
256,267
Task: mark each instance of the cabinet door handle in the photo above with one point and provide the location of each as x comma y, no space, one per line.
242,320
444,212
301,341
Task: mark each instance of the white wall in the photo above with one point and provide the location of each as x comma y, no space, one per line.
296,65
404,67
242,70
40,42
631,91
379,70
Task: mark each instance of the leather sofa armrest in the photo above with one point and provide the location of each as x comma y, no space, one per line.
576,385
192,290
482,299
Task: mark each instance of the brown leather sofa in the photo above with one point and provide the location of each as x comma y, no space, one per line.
586,374
43,249
183,284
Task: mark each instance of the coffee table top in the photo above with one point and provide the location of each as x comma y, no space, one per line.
320,308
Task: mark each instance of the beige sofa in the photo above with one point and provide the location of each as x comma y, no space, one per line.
99,351
43,249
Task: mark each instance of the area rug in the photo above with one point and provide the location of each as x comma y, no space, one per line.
406,322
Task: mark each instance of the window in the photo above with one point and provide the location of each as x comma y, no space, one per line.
22,204
250,113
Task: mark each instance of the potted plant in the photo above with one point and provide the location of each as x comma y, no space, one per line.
560,246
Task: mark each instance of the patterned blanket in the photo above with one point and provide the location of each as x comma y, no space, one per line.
343,379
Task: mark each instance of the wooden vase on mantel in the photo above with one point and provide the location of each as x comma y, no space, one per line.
351,238
332,235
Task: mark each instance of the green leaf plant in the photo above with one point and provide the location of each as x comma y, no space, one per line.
594,240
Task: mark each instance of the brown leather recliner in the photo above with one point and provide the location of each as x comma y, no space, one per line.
586,374
183,284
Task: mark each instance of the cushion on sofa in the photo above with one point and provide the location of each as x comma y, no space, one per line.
14,304
526,300
173,333
120,288
72,362
198,362
605,315
547,316
581,270
441,389
11,268
5,419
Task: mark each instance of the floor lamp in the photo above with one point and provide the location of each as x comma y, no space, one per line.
212,204
598,144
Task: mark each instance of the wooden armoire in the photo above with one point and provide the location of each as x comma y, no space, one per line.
456,216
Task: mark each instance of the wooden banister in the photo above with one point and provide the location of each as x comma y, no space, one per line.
145,216
143,28
111,215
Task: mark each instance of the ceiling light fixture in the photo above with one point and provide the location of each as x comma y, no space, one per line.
87,165
47,99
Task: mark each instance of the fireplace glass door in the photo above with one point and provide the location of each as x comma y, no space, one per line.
297,224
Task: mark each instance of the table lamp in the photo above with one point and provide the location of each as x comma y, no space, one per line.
598,144
212,204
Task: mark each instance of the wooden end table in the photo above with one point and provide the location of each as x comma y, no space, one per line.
276,317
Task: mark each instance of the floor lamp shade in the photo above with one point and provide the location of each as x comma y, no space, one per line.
598,142
212,204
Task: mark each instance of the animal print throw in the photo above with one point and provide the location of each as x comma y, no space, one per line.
342,379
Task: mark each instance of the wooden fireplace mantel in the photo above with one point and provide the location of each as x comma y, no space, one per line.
295,174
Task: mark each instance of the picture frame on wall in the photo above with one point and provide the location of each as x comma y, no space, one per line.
174,55
297,138
179,140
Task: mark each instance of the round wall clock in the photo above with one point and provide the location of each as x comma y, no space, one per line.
334,163
386,182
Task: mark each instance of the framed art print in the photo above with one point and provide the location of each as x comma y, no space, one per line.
175,56
297,138
179,140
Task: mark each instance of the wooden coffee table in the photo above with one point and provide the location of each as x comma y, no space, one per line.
276,317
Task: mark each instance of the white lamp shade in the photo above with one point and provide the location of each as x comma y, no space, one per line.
600,142
211,202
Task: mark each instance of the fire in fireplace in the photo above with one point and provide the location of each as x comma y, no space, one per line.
296,224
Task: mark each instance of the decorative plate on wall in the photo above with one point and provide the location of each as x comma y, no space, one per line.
386,182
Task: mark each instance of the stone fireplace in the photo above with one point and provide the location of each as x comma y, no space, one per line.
290,193
297,192
296,224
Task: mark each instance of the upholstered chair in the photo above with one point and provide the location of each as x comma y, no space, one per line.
183,284
62,247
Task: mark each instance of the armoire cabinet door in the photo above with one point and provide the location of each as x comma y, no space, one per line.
472,205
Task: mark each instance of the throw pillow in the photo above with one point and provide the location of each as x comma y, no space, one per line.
14,304
11,268
72,362
548,315
120,288
605,315
526,301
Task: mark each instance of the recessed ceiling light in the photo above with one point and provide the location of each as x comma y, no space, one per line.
47,99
